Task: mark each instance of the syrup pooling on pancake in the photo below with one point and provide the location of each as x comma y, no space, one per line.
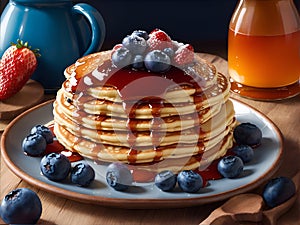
138,116
134,94
137,89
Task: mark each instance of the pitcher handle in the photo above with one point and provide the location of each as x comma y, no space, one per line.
97,25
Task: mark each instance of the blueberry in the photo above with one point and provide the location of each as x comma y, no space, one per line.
21,206
230,166
135,44
55,166
44,131
165,180
138,62
278,190
247,134
118,176
121,57
169,51
141,33
189,181
34,144
82,174
245,152
157,61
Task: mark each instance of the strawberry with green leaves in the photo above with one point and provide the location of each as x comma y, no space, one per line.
16,67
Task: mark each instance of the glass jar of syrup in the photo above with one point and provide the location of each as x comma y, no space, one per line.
264,49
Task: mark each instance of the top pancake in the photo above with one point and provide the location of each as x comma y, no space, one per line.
90,63
182,98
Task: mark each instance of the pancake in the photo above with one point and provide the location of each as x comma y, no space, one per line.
170,124
87,64
214,95
209,129
111,153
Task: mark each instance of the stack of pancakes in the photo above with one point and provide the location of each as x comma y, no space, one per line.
153,121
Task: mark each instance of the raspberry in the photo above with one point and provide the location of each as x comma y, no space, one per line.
184,55
159,40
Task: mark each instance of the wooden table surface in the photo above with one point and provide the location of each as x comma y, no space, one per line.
61,211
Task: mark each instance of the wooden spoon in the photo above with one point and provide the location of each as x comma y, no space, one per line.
249,208
243,207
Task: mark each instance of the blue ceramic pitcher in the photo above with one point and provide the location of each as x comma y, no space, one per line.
62,31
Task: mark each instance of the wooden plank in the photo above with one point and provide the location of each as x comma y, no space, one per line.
31,94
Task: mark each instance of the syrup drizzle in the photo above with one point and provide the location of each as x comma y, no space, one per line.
137,89
57,147
209,173
141,175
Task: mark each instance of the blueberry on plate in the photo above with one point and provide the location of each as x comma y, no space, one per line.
82,174
278,190
245,152
55,166
121,57
230,166
135,44
34,144
44,131
157,61
118,176
189,181
21,206
165,180
141,33
247,134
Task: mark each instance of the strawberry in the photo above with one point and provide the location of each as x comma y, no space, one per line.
16,66
159,40
184,55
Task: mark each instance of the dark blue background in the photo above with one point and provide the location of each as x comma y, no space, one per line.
203,23
186,19
191,21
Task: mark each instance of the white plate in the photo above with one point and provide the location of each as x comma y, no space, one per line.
266,162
